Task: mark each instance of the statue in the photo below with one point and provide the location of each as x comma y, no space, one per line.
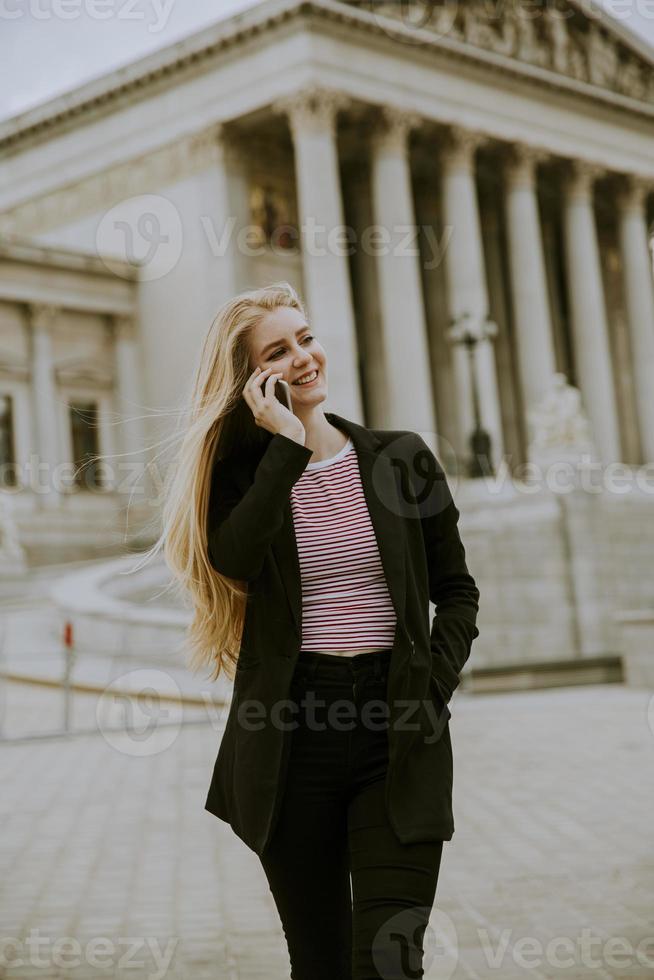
559,428
12,556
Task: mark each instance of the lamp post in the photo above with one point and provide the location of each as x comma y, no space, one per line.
470,330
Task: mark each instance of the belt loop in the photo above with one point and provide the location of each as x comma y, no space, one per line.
377,663
312,668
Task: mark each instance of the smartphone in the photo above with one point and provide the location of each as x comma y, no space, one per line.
283,394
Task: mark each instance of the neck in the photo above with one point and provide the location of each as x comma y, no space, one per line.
323,438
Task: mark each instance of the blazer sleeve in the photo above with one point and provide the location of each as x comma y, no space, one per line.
241,526
452,588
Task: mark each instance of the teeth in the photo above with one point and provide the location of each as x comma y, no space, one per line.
306,378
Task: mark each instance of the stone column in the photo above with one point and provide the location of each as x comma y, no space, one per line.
312,119
589,320
529,292
466,279
42,319
639,298
189,248
129,404
403,321
217,187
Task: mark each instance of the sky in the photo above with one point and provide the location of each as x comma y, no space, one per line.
50,46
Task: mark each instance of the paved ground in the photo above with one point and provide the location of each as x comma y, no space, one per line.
105,835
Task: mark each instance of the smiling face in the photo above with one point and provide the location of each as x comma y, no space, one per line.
283,341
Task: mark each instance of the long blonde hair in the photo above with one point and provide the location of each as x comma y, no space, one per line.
219,423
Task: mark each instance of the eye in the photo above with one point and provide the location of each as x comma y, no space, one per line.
274,356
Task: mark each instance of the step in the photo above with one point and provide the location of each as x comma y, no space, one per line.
606,669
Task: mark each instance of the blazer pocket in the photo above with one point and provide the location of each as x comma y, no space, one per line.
437,694
439,719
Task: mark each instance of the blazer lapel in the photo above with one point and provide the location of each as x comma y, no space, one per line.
380,483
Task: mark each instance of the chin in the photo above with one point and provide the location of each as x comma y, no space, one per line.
317,397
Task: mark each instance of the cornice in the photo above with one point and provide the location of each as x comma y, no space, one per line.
142,78
18,249
181,157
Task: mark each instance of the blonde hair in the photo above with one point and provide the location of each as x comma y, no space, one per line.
219,422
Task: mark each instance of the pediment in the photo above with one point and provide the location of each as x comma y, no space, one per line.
559,35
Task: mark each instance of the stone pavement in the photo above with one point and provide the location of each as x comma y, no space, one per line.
105,840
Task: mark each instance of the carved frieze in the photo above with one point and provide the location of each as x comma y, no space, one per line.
552,34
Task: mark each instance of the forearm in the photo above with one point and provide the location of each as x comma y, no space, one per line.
451,640
240,533
452,589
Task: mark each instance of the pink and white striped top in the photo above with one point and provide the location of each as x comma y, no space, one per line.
346,604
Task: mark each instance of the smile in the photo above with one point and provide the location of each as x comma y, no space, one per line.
307,379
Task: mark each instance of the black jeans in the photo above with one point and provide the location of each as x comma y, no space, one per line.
332,827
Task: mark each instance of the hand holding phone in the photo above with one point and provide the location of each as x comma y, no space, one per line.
268,409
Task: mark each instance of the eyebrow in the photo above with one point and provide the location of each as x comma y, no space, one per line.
276,343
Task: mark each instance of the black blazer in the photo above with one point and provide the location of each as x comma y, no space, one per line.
251,538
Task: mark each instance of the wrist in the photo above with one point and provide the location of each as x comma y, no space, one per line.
297,435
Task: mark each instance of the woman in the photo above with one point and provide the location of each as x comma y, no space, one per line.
310,547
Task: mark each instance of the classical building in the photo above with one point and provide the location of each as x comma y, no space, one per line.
71,435
422,173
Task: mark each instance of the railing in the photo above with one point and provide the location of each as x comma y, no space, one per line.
46,690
